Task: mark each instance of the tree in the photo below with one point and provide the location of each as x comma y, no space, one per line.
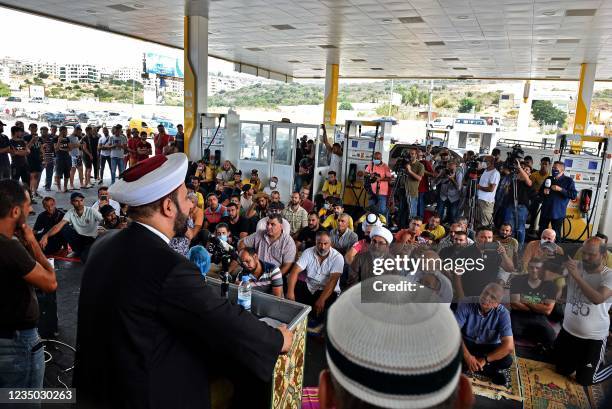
383,110
466,105
423,97
545,113
345,106
5,90
442,103
43,75
411,97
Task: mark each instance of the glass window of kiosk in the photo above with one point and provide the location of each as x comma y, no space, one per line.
255,142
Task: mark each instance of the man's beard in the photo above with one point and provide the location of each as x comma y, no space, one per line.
322,253
376,253
180,224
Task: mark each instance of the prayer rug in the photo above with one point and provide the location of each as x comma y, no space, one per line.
543,388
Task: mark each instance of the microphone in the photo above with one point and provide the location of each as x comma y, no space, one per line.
547,183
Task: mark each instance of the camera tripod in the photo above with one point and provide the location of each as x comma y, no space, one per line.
472,202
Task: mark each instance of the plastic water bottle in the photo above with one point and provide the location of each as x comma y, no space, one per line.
244,293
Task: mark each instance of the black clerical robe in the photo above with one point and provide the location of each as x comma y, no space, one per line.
151,332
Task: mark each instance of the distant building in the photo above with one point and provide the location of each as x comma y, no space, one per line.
128,74
79,72
5,74
218,83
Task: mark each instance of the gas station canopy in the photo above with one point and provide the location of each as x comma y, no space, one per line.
497,39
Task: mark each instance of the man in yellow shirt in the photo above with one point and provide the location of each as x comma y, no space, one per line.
435,228
332,186
254,181
332,220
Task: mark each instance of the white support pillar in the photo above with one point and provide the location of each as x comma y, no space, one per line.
196,78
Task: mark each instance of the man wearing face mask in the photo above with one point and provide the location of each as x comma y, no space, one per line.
362,266
271,185
380,186
556,192
323,266
157,307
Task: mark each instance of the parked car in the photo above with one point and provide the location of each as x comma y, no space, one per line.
33,115
94,121
56,119
44,117
169,126
441,123
13,99
83,117
111,118
141,125
70,120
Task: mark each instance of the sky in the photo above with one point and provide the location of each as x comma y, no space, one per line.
90,46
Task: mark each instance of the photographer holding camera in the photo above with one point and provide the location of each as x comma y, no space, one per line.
414,171
380,175
449,183
516,216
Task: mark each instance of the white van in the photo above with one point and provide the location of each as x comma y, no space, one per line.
441,123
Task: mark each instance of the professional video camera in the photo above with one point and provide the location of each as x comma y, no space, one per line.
516,153
473,169
220,251
402,161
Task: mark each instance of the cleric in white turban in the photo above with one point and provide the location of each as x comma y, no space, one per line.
147,320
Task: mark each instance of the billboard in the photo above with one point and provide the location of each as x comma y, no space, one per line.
163,65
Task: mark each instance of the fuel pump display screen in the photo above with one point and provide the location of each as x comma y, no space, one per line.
592,165
568,163
371,145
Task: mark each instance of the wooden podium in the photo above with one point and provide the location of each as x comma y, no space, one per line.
288,378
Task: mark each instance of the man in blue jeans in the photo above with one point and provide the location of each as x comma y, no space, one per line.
524,193
118,145
23,268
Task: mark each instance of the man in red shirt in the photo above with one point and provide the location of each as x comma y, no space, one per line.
133,146
143,148
160,140
380,187
305,202
214,212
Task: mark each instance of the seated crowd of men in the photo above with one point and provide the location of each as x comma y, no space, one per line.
312,251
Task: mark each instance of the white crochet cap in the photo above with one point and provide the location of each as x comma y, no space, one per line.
370,220
400,353
382,232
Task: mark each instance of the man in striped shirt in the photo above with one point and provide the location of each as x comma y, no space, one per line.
264,277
